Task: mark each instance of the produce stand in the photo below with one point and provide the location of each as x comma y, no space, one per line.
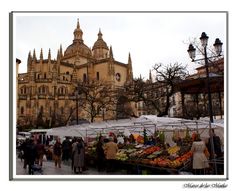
171,152
144,169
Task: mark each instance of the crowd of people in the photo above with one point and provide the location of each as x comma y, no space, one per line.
33,152
73,151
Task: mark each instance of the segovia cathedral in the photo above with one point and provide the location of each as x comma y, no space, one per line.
47,92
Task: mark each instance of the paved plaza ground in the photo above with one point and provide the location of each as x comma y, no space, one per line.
50,169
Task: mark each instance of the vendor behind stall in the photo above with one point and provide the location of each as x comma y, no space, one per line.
110,150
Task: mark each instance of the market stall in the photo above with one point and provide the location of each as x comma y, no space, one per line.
160,144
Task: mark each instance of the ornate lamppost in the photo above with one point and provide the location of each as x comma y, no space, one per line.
192,53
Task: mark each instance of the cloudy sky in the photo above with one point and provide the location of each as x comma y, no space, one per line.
150,37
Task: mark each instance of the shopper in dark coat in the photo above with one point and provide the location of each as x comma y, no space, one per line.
30,155
24,149
57,151
217,145
100,154
66,149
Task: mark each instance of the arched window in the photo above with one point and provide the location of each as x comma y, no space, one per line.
45,75
43,90
22,110
62,91
23,90
62,110
84,77
41,109
98,77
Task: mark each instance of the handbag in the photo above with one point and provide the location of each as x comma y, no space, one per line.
207,154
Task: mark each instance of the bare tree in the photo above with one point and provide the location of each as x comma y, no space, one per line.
148,92
96,96
169,75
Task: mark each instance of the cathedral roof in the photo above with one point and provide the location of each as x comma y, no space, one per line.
78,46
100,43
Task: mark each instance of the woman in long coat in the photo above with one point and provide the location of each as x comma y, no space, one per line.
200,160
78,156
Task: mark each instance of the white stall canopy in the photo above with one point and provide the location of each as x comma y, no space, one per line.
136,126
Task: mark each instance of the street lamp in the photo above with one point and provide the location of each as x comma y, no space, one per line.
192,53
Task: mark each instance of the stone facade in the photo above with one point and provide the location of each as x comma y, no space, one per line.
49,85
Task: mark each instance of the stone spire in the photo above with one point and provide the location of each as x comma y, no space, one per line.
30,67
129,60
41,55
150,76
34,56
29,58
99,34
78,33
58,55
111,69
129,68
49,55
58,61
29,62
41,60
111,52
49,60
61,53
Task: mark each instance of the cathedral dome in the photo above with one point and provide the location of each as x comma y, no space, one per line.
77,47
100,43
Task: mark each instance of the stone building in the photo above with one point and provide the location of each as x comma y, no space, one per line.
47,91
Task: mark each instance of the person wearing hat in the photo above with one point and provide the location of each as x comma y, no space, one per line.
110,151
